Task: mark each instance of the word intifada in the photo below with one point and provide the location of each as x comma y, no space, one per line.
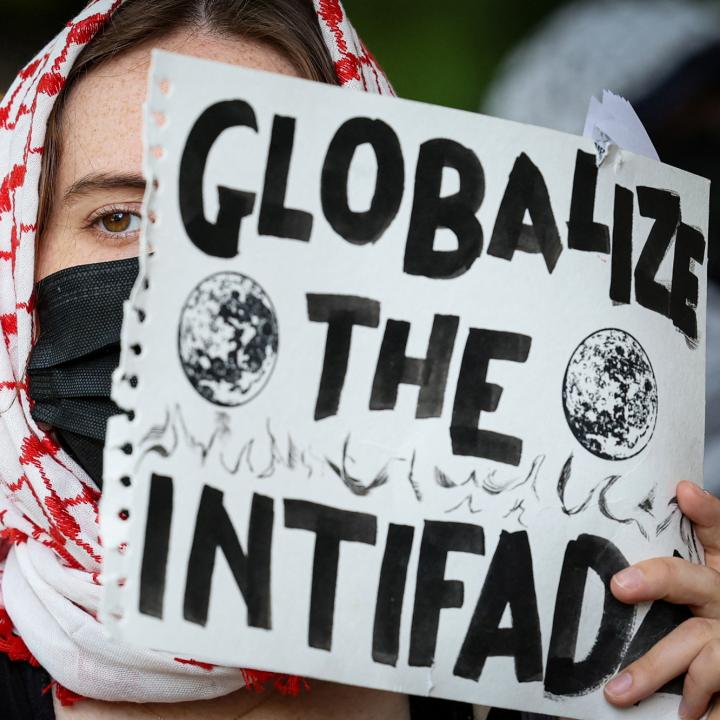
526,193
509,582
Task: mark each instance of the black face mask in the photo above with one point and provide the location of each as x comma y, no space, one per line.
80,312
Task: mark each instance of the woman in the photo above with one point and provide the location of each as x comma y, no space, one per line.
81,101
88,208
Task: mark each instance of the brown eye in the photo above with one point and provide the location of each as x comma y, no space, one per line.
120,222
117,222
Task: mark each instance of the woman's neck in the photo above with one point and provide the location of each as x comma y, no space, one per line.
324,701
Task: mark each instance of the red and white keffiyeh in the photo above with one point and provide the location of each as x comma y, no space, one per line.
48,506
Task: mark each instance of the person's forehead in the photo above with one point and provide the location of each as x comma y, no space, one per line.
103,118
102,121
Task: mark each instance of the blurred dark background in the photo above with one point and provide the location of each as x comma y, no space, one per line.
438,52
537,62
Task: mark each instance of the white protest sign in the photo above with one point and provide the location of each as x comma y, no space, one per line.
408,385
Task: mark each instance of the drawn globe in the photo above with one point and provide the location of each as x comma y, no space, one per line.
228,339
610,395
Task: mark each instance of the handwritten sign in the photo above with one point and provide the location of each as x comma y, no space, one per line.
406,387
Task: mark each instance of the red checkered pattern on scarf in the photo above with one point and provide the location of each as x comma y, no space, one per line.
44,497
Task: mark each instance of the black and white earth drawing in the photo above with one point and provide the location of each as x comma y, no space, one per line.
228,339
610,395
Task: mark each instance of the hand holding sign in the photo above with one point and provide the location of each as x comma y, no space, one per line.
407,395
694,646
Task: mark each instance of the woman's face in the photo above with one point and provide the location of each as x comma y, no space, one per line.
95,212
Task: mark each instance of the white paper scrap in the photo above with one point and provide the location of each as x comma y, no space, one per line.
613,121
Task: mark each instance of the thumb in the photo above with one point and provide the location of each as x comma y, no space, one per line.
703,510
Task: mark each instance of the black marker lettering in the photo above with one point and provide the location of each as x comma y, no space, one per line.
221,239
689,245
475,395
526,192
331,527
565,676
509,581
341,313
457,212
391,591
432,591
395,368
583,232
157,544
275,218
363,227
664,206
214,530
621,271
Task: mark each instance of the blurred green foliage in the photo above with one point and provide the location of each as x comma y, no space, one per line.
444,51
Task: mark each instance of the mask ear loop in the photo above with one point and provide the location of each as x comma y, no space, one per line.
12,402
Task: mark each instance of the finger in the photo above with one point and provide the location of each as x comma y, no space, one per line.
703,509
701,682
667,659
672,579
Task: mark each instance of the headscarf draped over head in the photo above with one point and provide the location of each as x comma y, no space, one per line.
51,551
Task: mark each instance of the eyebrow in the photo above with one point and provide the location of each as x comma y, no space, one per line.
104,181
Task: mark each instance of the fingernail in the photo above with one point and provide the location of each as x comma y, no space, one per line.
620,685
630,579
683,713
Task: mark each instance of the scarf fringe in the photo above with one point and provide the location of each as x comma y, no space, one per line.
255,680
258,680
66,697
11,644
195,663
